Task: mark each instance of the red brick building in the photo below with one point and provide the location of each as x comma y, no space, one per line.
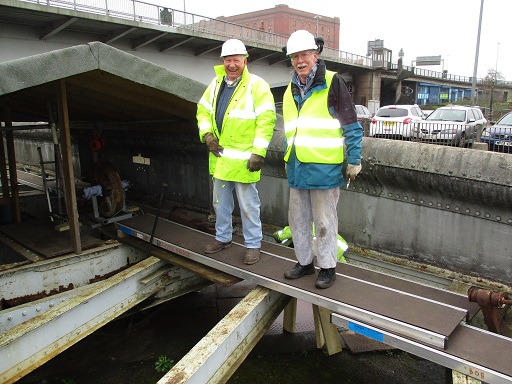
283,20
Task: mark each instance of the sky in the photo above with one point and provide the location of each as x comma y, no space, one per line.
446,28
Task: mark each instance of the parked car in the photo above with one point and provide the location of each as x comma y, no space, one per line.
499,135
454,125
364,116
396,121
363,112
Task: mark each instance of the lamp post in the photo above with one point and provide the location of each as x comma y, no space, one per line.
473,84
497,52
493,81
317,17
398,92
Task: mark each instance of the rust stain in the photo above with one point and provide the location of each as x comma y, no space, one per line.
97,278
14,302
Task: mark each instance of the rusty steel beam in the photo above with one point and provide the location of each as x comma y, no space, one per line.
29,344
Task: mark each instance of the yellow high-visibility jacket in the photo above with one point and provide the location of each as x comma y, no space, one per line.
315,134
247,126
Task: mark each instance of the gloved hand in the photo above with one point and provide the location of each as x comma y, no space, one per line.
352,171
255,162
213,144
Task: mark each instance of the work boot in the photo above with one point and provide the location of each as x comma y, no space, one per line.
325,278
299,271
252,255
216,246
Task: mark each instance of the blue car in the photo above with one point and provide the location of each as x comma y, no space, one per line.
499,135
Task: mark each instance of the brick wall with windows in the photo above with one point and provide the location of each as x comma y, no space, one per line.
283,20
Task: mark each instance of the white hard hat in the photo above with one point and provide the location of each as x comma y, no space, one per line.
300,41
233,47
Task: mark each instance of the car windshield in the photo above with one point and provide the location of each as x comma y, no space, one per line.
447,115
506,120
392,112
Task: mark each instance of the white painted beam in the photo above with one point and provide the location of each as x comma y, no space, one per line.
216,357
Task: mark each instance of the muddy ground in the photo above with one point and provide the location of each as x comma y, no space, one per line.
126,350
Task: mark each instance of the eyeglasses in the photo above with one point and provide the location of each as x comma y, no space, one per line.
303,56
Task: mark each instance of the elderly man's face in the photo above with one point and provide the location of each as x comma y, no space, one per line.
234,66
303,62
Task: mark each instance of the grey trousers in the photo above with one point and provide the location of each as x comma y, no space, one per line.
318,207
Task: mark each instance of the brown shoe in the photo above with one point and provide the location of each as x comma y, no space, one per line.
216,246
252,255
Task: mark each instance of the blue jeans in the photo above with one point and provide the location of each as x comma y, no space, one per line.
249,203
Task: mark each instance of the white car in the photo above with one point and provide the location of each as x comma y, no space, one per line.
454,125
396,121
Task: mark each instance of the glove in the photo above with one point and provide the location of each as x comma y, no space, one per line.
213,144
255,162
352,171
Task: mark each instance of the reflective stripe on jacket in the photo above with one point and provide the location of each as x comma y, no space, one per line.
315,134
247,126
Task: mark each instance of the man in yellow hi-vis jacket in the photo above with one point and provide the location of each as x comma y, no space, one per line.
236,118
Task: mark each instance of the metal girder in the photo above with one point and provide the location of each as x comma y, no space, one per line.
44,276
435,355
205,49
57,27
148,40
174,44
113,36
72,317
216,357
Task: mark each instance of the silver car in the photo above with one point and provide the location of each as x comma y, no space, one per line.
453,125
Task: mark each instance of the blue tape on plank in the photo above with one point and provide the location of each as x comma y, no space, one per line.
362,330
128,231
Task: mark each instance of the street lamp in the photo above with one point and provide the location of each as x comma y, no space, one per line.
317,17
497,51
473,84
493,81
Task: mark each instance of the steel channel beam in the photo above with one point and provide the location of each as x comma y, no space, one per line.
432,354
420,334
225,347
28,345
77,270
